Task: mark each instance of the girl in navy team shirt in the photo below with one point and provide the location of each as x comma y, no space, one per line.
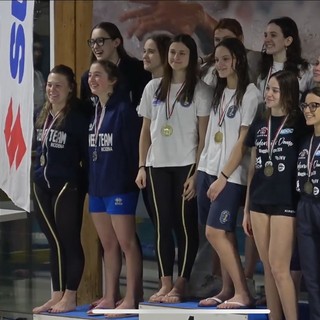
308,211
60,186
113,195
270,209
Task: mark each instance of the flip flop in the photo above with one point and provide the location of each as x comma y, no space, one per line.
234,305
215,302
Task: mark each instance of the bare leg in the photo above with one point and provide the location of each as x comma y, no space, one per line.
112,259
226,247
125,229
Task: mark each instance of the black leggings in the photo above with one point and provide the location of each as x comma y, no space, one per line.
172,214
59,214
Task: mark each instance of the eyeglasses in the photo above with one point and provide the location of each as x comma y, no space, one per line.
98,41
313,106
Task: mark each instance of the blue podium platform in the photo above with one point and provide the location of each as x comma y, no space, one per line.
161,311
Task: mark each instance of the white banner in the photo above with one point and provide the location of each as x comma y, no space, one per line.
16,99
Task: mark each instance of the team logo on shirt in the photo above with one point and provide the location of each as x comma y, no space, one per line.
155,101
118,201
303,154
316,191
262,131
286,131
281,167
232,110
224,217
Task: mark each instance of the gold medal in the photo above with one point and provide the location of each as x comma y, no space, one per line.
308,187
218,137
42,160
268,171
166,130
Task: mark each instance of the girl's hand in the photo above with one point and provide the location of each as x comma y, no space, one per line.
246,223
189,190
141,178
216,187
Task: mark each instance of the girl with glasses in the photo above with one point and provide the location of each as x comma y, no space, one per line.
106,43
308,218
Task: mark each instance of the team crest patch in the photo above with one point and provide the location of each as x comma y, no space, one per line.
232,110
224,217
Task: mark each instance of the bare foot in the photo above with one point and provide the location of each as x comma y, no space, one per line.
104,303
64,305
56,297
124,305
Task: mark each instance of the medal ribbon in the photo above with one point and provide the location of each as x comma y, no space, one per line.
168,111
309,164
45,130
270,145
267,80
101,117
223,109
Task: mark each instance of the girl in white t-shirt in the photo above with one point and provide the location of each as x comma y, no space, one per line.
175,110
282,51
221,180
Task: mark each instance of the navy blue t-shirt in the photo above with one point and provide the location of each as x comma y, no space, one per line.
302,166
279,188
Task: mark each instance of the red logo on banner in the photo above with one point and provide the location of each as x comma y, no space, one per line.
16,147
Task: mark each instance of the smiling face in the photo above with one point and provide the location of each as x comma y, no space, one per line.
312,117
108,51
99,81
178,56
58,89
274,40
272,95
224,62
151,57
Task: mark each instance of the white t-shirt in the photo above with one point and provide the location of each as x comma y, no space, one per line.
215,155
305,78
180,148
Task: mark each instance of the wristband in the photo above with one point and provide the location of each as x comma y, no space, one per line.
141,167
224,175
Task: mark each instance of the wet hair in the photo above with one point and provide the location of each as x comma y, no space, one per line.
162,42
230,24
238,52
186,94
294,61
289,94
114,33
68,73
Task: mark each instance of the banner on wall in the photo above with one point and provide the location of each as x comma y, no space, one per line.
16,99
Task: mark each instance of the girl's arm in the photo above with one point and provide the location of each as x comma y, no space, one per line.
144,145
233,162
189,186
246,223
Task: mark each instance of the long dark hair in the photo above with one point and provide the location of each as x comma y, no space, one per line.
69,74
114,33
162,41
238,53
294,61
192,71
289,94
